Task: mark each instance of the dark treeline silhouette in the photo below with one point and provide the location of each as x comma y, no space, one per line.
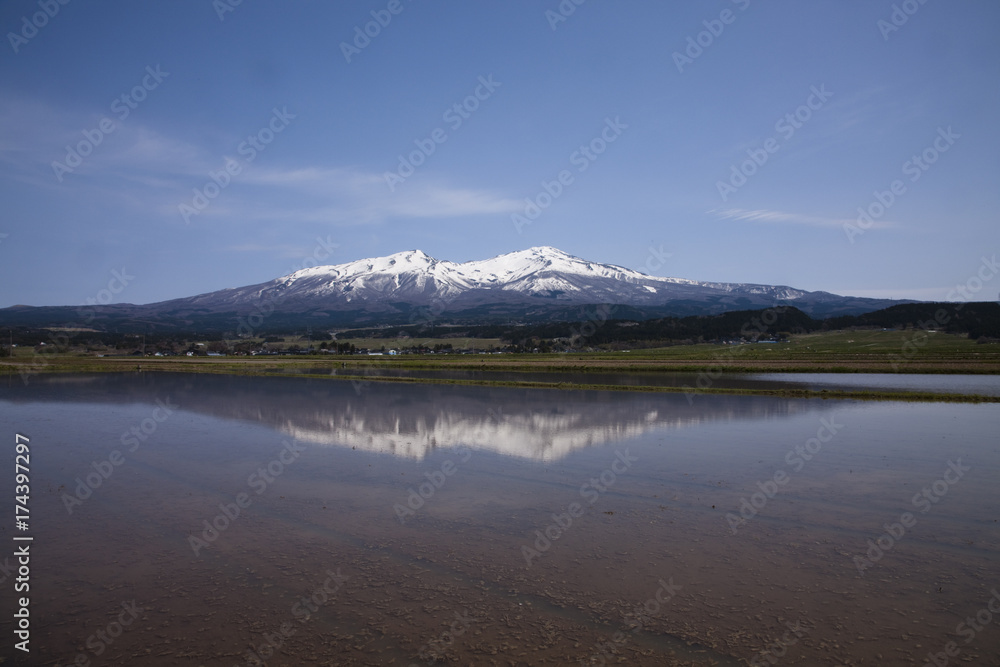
598,326
593,326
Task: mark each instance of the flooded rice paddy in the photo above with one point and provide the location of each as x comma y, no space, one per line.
983,385
213,520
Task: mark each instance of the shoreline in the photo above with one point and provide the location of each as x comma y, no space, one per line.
583,367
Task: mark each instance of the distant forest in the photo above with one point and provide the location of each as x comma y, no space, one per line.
599,327
595,326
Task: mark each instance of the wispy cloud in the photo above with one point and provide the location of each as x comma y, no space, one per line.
41,135
145,170
350,195
781,217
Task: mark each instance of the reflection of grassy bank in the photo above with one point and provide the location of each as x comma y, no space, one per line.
786,393
534,363
355,369
868,351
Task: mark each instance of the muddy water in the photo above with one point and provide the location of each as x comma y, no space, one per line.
403,525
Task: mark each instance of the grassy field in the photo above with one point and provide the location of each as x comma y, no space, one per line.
400,343
846,347
839,352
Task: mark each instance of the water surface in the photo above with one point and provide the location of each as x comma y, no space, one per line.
985,385
479,525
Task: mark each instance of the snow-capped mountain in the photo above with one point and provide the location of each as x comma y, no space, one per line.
537,284
541,274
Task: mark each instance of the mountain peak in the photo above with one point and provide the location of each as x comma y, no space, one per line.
406,257
547,250
543,251
537,277
408,254
535,282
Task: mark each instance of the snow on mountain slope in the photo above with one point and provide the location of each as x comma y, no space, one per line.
541,271
403,274
541,276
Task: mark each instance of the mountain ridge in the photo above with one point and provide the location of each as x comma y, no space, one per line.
534,284
541,271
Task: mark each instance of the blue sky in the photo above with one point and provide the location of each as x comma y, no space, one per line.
676,158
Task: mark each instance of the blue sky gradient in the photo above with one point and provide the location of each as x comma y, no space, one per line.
744,158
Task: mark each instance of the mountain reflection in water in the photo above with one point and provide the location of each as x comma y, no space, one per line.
411,421
757,514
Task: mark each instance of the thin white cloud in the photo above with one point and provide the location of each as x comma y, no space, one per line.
142,148
39,135
277,250
354,196
781,217
146,170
